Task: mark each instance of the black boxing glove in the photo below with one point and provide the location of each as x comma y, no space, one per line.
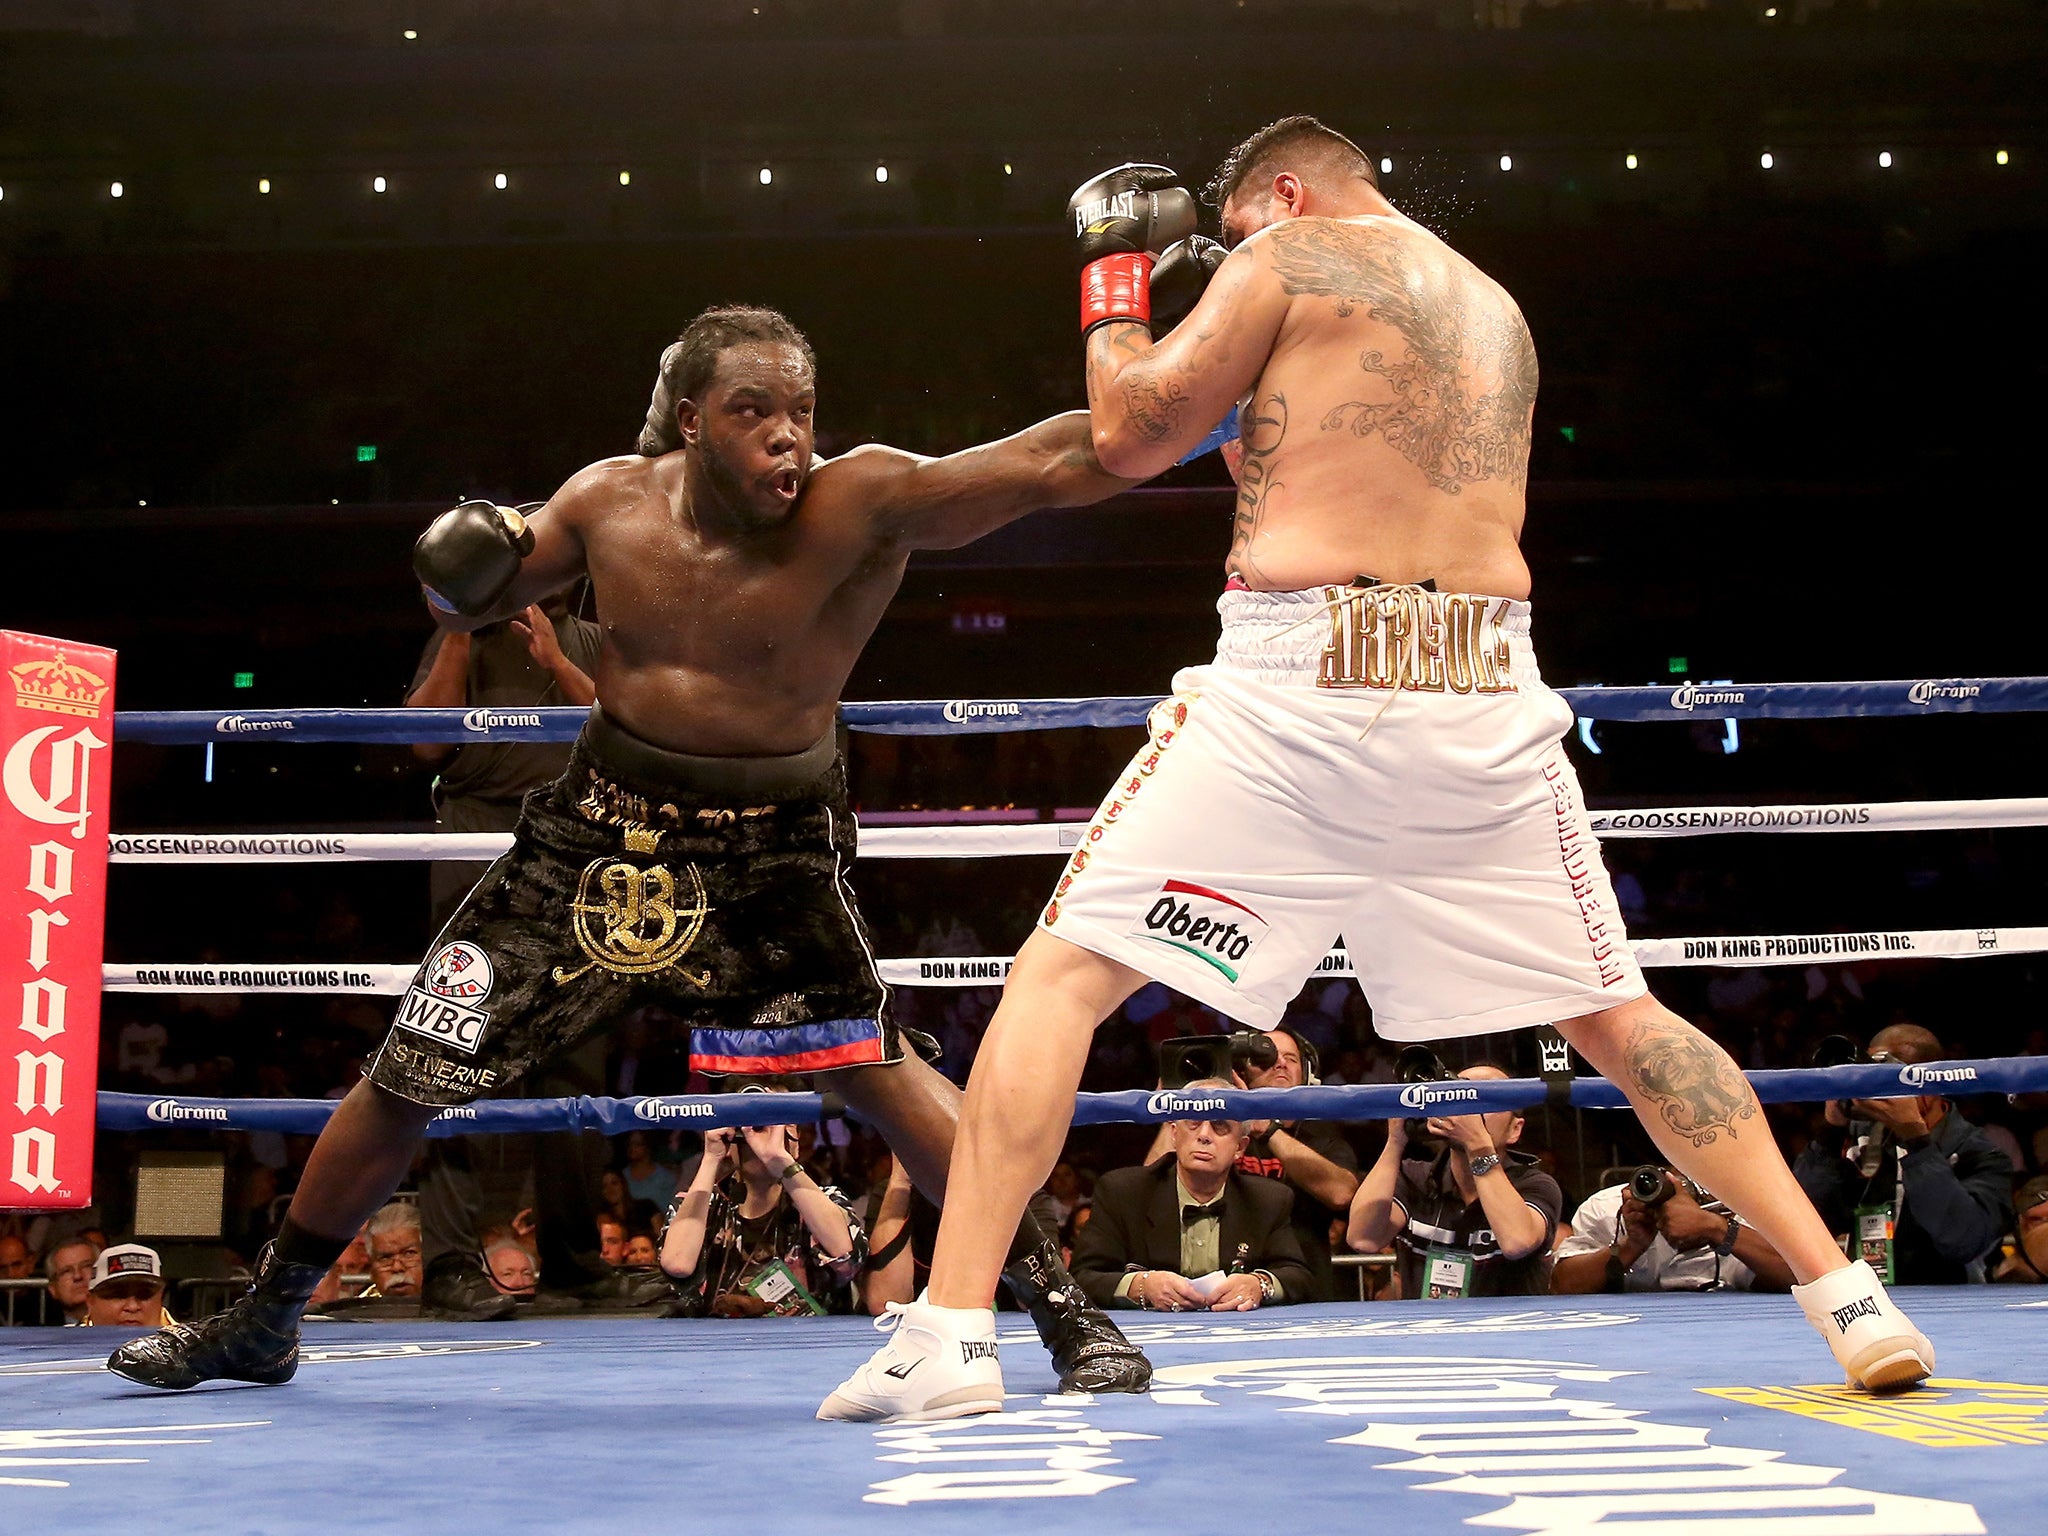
1179,276
469,555
1122,220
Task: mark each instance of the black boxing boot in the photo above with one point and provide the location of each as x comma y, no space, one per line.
256,1339
1089,1351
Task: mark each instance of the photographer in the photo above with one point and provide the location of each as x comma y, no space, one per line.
1310,1156
1920,1193
1189,1232
752,1234
1658,1232
1474,1219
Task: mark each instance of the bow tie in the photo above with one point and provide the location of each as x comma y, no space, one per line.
1197,1212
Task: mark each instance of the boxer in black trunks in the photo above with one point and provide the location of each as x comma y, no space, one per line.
694,854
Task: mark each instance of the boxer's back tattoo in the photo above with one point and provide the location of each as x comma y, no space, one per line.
1457,403
1694,1086
1261,426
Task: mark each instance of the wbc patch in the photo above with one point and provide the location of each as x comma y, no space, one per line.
1216,929
438,1005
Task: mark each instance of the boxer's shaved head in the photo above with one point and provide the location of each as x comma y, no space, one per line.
1301,144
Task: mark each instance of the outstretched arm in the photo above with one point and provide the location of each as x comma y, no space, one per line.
1151,403
946,502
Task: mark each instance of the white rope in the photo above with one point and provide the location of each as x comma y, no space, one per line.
993,840
989,970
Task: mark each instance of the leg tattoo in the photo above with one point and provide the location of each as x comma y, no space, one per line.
1694,1085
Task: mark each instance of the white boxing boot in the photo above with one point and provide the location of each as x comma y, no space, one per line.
940,1363
1877,1348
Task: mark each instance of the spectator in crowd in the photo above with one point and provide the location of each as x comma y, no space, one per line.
1909,1184
613,1197
16,1261
1685,1241
1065,1191
1310,1156
393,1239
336,1284
611,1239
127,1289
640,1250
647,1179
755,1234
893,1264
2027,1263
511,1269
68,1266
1189,1232
1465,1214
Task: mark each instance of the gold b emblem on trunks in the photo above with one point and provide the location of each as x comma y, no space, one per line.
631,921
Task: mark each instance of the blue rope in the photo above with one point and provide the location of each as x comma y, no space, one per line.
1364,1101
944,717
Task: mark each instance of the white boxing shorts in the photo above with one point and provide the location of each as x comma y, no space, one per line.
1382,764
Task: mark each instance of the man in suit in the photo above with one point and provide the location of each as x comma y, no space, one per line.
1189,1232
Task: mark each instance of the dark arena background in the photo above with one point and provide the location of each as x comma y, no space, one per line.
281,283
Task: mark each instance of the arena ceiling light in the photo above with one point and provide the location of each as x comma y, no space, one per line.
263,186
1884,159
1007,167
881,174
1386,165
377,184
411,36
1631,162
767,177
1765,160
500,181
1507,162
2001,158
115,189
625,178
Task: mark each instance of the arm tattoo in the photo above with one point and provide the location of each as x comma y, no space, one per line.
1458,400
1262,426
1154,406
1697,1091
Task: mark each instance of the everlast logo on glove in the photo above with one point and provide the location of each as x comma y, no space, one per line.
1216,929
1844,1316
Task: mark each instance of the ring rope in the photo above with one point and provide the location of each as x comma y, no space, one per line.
946,717
994,840
1362,1101
989,970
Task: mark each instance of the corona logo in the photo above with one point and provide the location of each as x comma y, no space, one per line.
1171,1103
169,1111
1423,1095
1690,696
53,792
60,688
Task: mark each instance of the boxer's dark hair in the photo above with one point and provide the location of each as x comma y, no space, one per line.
1268,151
692,358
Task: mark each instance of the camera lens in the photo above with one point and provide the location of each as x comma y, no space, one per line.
1650,1184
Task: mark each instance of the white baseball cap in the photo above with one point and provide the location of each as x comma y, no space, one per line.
126,1259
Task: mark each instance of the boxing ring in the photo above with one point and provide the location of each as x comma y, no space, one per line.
1708,1414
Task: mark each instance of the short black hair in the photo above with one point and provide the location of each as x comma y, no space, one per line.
692,358
1265,151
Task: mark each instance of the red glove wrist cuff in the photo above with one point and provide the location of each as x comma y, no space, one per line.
1116,288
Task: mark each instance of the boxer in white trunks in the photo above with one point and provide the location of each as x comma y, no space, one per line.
1372,754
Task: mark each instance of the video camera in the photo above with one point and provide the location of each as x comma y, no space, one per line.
1419,1064
1192,1059
1652,1185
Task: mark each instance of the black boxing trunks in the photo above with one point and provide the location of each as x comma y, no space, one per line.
714,888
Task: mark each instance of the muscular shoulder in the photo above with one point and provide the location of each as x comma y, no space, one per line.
600,488
1374,260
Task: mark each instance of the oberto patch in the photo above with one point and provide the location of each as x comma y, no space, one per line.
1218,930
